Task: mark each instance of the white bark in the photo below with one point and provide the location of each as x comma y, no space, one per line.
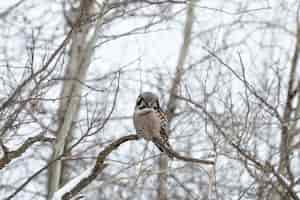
83,39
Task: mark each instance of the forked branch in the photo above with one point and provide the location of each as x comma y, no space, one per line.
8,155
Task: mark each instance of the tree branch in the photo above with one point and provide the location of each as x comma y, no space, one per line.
76,185
8,156
96,169
173,154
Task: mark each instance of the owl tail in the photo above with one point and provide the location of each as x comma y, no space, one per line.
163,148
159,147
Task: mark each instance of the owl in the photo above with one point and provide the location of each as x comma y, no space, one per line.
150,121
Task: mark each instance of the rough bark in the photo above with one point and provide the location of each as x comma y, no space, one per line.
171,106
83,39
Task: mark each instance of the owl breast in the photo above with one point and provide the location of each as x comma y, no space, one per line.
147,124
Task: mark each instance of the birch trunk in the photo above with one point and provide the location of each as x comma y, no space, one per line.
83,39
172,104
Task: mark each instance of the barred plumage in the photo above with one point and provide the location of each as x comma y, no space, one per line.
164,134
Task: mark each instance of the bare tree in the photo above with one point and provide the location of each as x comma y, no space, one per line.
83,39
70,72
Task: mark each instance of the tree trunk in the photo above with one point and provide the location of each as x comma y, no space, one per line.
172,103
288,129
83,38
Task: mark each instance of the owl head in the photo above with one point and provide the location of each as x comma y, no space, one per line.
147,100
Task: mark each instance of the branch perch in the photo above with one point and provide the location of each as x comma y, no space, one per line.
73,187
173,154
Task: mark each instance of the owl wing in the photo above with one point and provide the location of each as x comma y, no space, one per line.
163,143
164,134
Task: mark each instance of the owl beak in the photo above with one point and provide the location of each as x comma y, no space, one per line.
147,105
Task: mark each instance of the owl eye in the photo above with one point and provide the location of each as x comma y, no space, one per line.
156,105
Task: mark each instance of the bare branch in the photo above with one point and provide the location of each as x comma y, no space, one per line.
100,165
11,155
173,154
247,85
264,167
